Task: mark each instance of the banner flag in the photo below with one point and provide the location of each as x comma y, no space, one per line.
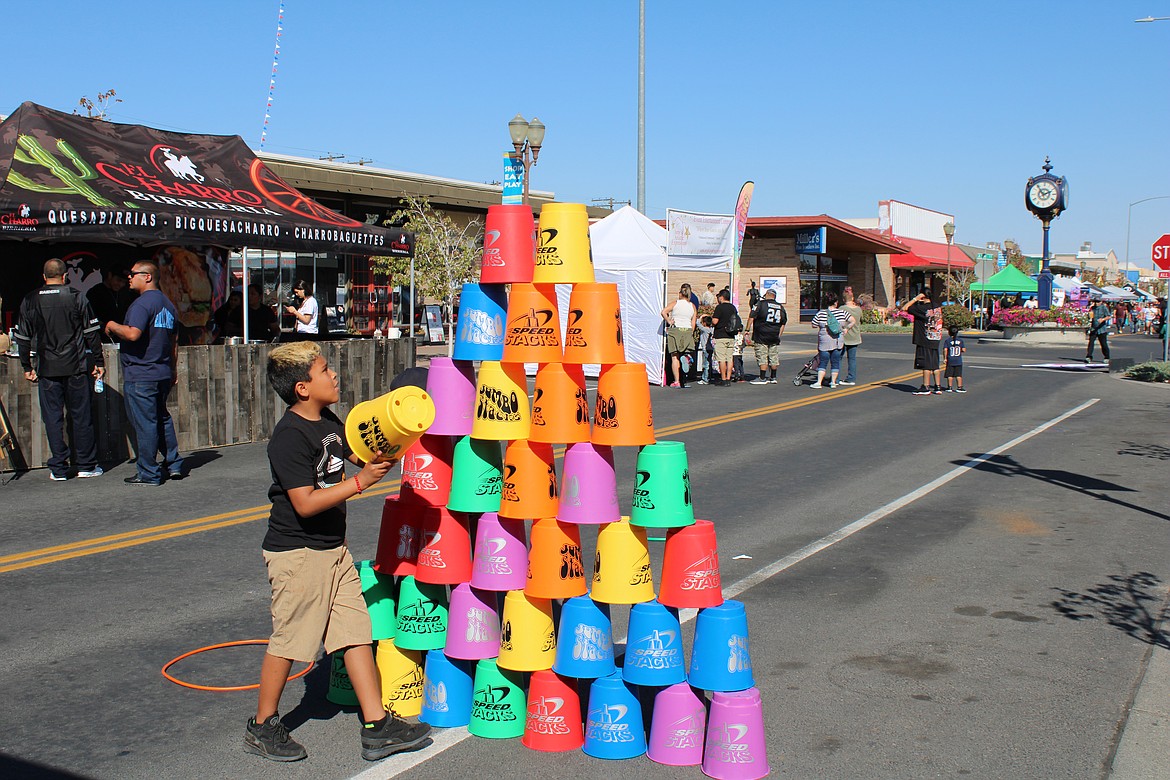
513,192
695,234
741,214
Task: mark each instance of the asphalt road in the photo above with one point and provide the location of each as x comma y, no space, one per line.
958,585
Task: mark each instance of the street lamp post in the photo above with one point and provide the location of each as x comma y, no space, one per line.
949,230
1129,217
527,138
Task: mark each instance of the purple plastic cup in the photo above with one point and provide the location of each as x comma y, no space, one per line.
451,385
677,727
735,747
588,486
473,624
500,562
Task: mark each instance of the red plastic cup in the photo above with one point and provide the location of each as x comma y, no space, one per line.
399,538
509,245
554,714
690,567
426,471
445,557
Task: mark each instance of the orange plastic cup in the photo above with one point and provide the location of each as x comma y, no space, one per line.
555,569
530,481
560,405
594,331
623,414
533,331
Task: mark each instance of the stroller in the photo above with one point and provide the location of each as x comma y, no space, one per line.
808,368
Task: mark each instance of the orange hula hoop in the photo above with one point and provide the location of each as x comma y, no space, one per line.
223,688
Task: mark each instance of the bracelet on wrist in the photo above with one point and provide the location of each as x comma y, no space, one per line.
359,484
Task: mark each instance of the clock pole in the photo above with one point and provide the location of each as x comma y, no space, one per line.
1046,196
1044,280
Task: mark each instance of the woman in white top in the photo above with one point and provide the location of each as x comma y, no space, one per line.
306,314
680,335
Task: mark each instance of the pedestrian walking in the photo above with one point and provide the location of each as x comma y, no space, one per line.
680,336
1099,321
753,296
927,335
148,357
765,326
59,343
953,348
852,338
831,322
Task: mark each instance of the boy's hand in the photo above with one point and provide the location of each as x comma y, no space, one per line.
372,473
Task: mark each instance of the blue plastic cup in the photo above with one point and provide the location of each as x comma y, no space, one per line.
613,728
720,658
479,332
654,647
447,691
585,639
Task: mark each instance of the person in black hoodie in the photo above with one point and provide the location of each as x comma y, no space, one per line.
57,327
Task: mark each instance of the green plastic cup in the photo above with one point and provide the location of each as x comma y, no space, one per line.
662,487
378,591
498,708
422,615
476,478
341,690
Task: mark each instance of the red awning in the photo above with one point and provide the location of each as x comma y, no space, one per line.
928,254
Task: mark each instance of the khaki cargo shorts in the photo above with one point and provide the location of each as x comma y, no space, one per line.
316,597
723,348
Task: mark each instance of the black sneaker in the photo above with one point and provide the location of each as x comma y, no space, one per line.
271,740
391,735
923,390
938,390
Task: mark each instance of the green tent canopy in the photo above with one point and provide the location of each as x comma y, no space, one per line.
1009,280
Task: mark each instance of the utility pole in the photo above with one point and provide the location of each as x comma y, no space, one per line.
610,202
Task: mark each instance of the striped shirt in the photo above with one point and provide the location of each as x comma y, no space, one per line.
825,342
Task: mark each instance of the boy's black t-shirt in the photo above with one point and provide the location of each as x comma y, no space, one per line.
928,323
300,453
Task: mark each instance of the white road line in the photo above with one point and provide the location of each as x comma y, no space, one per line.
448,738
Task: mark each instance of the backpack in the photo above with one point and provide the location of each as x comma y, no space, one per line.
832,325
734,324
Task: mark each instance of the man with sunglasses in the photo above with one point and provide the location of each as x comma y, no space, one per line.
148,357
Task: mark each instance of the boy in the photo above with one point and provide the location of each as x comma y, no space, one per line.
953,349
316,592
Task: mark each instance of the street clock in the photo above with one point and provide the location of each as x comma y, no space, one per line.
1046,195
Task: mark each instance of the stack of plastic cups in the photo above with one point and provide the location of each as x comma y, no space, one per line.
662,489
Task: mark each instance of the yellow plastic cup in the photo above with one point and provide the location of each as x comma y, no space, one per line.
389,423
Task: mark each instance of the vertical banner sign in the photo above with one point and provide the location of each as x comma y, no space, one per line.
513,179
741,214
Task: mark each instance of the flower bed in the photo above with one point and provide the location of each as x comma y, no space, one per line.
1060,316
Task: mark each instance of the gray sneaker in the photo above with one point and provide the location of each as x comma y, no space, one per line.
271,740
392,735
96,471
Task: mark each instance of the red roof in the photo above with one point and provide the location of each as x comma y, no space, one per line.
928,254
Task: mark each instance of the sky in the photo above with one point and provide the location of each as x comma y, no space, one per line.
828,106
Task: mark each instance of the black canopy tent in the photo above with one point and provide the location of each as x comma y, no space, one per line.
65,178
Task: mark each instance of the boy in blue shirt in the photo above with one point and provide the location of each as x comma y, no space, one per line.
953,349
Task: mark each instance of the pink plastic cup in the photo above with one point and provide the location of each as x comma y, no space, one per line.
473,624
500,562
735,747
588,486
451,385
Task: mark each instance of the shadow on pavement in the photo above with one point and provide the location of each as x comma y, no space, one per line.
13,767
199,458
1006,466
1152,451
1123,602
313,705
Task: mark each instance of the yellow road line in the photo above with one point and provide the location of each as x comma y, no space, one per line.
119,541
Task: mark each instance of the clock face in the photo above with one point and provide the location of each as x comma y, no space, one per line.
1042,194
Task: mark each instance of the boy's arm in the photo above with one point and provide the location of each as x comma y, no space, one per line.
310,500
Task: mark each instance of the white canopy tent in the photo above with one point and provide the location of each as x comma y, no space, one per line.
629,250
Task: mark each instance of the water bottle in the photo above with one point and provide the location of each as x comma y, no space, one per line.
99,385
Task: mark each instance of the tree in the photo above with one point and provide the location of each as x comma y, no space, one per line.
958,285
102,105
445,254
1016,257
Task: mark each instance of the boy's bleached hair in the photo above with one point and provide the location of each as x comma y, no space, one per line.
289,364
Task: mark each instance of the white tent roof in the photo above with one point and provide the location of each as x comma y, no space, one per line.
627,240
1117,293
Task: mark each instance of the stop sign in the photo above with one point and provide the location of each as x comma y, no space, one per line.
1161,252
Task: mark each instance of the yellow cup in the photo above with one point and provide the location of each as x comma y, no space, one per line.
621,570
502,411
563,253
389,423
401,673
528,641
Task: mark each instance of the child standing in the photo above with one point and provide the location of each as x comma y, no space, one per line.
706,349
953,349
316,591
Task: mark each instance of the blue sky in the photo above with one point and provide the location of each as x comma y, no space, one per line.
828,106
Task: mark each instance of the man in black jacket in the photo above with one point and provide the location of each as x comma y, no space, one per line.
58,328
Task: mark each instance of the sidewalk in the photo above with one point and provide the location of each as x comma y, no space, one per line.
1144,740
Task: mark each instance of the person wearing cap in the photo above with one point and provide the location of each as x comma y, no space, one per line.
723,318
927,336
307,313
765,326
1099,316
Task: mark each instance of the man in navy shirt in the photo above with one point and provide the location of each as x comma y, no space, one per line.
148,374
